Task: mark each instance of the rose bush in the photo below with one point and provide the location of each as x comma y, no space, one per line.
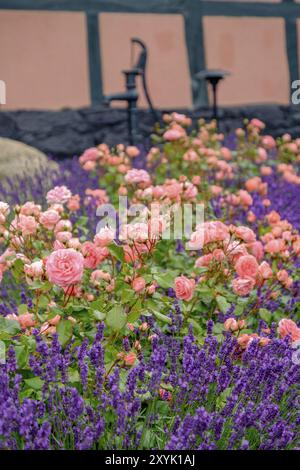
146,311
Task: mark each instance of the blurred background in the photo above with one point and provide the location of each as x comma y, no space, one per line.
68,54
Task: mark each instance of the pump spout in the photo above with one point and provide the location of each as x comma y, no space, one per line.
127,96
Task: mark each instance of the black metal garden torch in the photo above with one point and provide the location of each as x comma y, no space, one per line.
213,77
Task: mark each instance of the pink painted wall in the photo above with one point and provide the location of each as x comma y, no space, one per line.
43,57
253,50
44,60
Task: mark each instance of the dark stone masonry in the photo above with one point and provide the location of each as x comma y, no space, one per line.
68,132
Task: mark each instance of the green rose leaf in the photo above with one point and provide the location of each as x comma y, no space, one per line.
116,318
265,315
64,330
222,303
35,383
117,251
11,327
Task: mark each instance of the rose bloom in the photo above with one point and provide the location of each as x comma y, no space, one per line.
90,154
256,249
130,359
288,327
58,195
214,231
197,240
4,208
74,203
26,320
245,198
247,266
173,134
273,217
243,286
257,123
245,234
89,166
245,339
64,267
93,255
63,225
30,208
132,151
49,219
231,324
138,284
135,176
34,270
184,288
266,170
203,261
27,224
275,246
104,237
268,141
253,184
97,276
265,270
63,236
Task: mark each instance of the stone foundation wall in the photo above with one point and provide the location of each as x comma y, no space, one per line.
68,132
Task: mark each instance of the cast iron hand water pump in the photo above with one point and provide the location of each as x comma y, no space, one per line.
131,95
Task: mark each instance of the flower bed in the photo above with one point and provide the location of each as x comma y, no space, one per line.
150,300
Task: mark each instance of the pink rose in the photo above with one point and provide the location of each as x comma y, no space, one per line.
27,224
275,246
26,320
130,359
138,284
268,141
214,231
245,234
247,266
63,237
97,276
253,184
29,208
104,237
63,225
245,198
58,195
49,219
256,249
64,267
203,261
288,327
93,255
90,154
135,176
74,203
34,270
184,288
273,217
132,151
265,270
172,134
257,123
231,324
190,192
282,276
245,339
243,286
